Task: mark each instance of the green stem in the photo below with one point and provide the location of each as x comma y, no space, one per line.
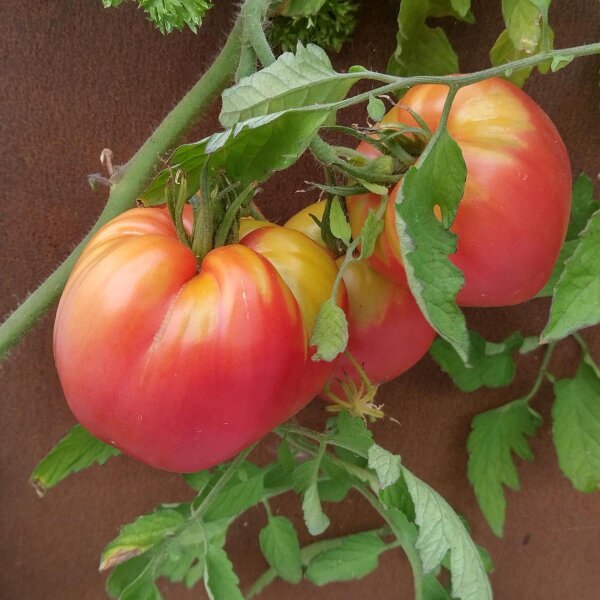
403,539
541,373
137,174
227,475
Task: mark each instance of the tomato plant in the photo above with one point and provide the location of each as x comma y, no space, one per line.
186,334
514,213
183,366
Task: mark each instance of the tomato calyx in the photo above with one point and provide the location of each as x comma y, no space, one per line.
216,208
356,398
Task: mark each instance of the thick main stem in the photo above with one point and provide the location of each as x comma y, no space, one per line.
138,172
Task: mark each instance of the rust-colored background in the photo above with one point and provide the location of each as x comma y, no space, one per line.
76,78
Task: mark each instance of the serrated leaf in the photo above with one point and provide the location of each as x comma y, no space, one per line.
169,15
376,109
235,498
338,222
397,496
583,205
280,546
220,580
522,18
566,252
385,464
248,152
495,435
576,428
314,517
78,450
301,8
294,80
135,572
425,243
503,51
138,537
420,50
440,531
370,231
330,335
491,365
576,300
352,432
356,556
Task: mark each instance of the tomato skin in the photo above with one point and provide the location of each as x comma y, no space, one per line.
514,214
180,369
388,334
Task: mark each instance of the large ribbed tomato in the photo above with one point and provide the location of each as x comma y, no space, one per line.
387,331
515,209
183,367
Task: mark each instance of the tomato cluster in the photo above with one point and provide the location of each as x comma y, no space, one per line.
183,366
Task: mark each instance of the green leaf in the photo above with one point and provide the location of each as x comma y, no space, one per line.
249,152
280,546
385,464
576,428
356,556
370,231
420,50
459,9
495,435
138,537
440,531
397,496
168,15
433,589
75,452
352,433
236,497
301,8
220,580
338,222
305,482
583,205
330,335
561,61
522,18
314,517
527,32
425,243
492,365
566,252
376,109
293,81
576,297
330,27
132,576
504,51
198,481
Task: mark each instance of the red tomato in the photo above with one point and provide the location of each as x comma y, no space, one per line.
387,332
514,214
183,367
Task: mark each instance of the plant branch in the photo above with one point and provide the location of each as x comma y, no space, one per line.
307,553
407,546
137,174
541,373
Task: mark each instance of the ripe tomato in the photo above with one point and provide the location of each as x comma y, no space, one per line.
387,331
515,209
183,367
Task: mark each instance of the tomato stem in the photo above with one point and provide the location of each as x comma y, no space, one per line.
137,174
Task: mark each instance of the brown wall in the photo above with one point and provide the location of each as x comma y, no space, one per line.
76,78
